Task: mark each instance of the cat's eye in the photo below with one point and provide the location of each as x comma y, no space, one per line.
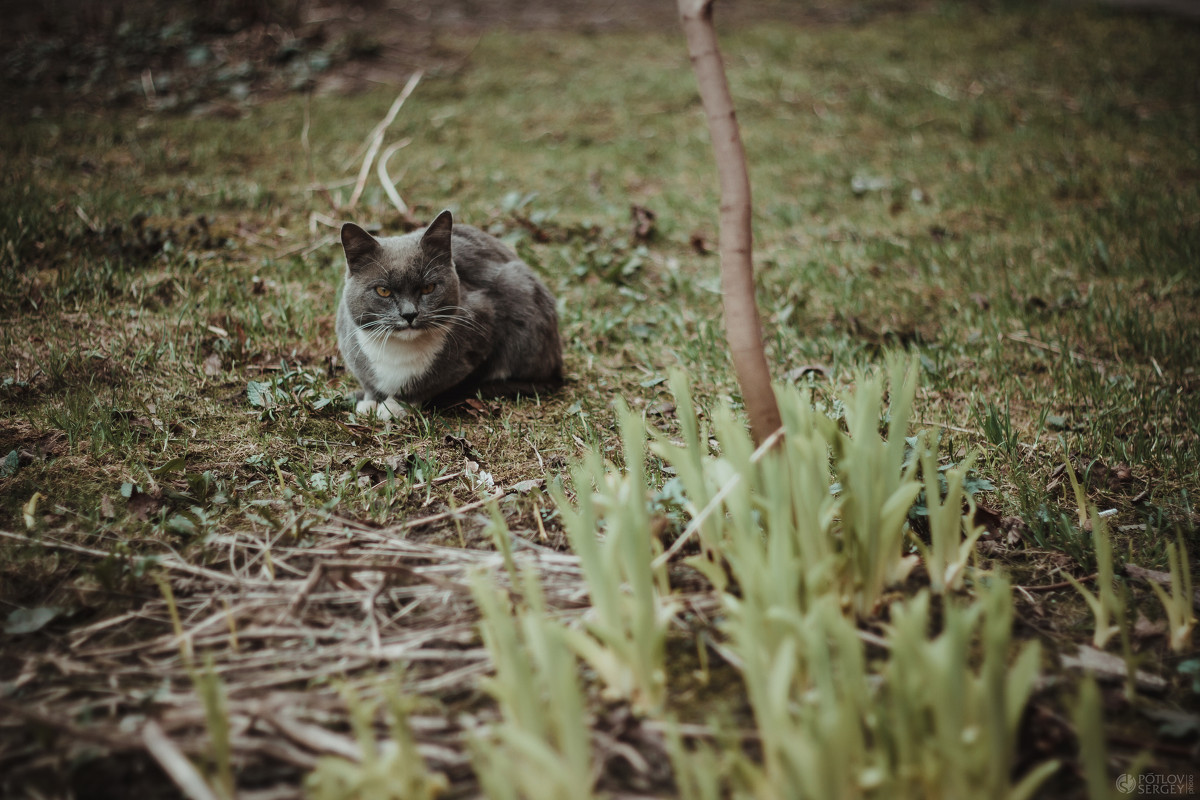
427,288
383,291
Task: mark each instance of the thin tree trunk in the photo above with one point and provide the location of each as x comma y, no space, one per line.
742,326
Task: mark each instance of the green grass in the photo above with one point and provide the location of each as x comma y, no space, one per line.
1009,194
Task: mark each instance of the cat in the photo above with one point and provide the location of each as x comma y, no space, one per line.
441,314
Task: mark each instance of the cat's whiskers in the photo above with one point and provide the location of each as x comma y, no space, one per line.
460,316
379,323
456,333
451,332
448,322
378,330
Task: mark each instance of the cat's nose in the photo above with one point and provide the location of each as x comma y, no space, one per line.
408,316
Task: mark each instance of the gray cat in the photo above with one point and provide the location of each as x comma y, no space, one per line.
441,314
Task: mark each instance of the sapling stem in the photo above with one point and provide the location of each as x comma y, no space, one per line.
742,326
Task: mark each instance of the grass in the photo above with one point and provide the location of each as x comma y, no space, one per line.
1007,194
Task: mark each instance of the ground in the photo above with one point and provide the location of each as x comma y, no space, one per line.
1007,193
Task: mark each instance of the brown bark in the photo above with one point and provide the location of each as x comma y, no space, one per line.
742,326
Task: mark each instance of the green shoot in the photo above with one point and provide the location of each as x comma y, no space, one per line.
1178,604
956,724
1087,716
216,716
540,750
625,632
952,535
877,490
395,771
1105,603
698,770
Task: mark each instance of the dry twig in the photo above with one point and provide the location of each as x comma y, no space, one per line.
376,140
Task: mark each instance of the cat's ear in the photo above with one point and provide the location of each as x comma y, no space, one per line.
359,245
436,238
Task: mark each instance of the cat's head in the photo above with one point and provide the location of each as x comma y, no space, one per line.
404,285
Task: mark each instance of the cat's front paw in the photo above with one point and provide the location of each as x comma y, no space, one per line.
391,409
388,409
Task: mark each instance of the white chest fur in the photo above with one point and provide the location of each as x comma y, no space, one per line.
400,358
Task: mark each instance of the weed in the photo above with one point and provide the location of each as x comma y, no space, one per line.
997,427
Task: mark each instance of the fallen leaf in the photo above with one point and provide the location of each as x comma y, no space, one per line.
1122,473
401,463
30,509
799,372
989,518
28,620
1148,575
476,407
1056,422
643,223
525,487
212,365
1145,629
369,473
861,184
1102,475
1056,478
1111,668
1015,530
143,505
106,507
464,446
663,409
1161,578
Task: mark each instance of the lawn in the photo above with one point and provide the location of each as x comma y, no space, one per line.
203,550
